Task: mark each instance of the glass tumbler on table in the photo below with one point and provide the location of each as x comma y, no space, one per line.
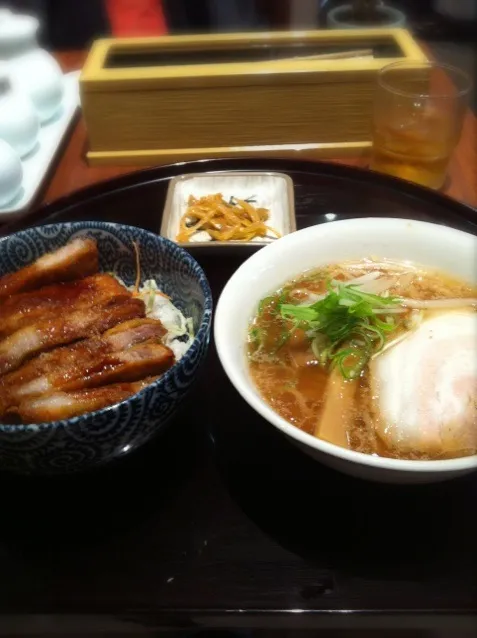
418,115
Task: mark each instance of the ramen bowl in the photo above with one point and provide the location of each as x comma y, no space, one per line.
433,246
95,438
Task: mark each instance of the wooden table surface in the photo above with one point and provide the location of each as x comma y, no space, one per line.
73,172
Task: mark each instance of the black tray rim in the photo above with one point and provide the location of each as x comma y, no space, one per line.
135,178
327,612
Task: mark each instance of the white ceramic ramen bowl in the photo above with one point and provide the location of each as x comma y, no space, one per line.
431,245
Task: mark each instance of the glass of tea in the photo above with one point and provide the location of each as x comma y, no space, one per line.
418,115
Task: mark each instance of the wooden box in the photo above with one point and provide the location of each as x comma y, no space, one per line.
175,98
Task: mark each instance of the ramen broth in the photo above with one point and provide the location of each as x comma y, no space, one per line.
296,380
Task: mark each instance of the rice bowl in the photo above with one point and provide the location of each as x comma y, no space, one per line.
98,437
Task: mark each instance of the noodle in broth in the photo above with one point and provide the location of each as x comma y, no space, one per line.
295,382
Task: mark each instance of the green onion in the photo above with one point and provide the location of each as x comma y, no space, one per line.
388,325
278,299
255,336
302,313
359,359
344,327
264,303
282,339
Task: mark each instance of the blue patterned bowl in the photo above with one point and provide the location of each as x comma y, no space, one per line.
98,437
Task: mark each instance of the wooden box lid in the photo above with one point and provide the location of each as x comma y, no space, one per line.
241,59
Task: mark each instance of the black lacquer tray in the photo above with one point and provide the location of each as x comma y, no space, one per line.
220,522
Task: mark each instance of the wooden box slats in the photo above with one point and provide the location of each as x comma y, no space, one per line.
158,113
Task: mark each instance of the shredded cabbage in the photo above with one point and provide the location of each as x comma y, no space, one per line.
180,330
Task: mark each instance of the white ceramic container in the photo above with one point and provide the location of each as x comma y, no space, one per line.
11,173
37,163
19,121
273,191
432,245
32,70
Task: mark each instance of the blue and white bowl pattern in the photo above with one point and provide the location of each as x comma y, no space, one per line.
97,437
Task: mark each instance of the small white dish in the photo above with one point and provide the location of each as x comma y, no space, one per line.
432,245
273,191
36,164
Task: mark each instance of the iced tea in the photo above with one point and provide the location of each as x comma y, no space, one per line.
418,120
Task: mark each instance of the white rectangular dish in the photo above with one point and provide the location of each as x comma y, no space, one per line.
273,191
36,165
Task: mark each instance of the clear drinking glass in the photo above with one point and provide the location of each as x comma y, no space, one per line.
418,115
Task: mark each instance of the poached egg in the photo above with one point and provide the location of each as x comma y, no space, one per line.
424,388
